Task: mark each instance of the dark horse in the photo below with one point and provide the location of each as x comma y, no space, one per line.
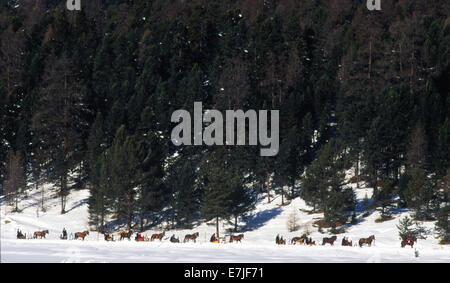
189,237
158,236
125,234
237,238
329,240
368,241
40,234
81,235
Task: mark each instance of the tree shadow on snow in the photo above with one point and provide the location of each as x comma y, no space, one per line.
259,219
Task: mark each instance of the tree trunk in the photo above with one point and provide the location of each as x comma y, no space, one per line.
217,228
357,170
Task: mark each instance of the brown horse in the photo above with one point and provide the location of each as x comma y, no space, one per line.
125,234
368,241
40,234
296,240
81,235
189,237
329,240
237,238
409,242
158,236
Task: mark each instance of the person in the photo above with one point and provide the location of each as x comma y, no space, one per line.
277,239
64,233
20,235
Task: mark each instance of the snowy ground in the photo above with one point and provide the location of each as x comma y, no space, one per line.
257,246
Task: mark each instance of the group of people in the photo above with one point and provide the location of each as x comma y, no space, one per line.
20,235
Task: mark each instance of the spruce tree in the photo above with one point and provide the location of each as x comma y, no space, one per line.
443,224
405,228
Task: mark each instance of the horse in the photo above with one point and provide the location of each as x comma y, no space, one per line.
329,240
236,238
158,236
296,240
189,237
409,242
368,241
40,234
175,240
81,235
125,234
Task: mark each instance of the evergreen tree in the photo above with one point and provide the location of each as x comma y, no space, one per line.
15,182
443,224
323,185
405,228
125,173
384,199
185,194
218,180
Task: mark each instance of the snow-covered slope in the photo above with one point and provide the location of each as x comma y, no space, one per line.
258,244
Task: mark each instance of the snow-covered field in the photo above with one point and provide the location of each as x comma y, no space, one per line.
258,245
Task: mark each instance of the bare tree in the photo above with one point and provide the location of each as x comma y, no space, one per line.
292,222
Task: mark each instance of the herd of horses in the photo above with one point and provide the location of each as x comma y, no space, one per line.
304,239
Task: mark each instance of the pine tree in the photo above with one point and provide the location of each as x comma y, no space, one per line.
323,185
58,123
15,182
100,197
384,199
185,194
405,228
125,173
217,183
443,224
